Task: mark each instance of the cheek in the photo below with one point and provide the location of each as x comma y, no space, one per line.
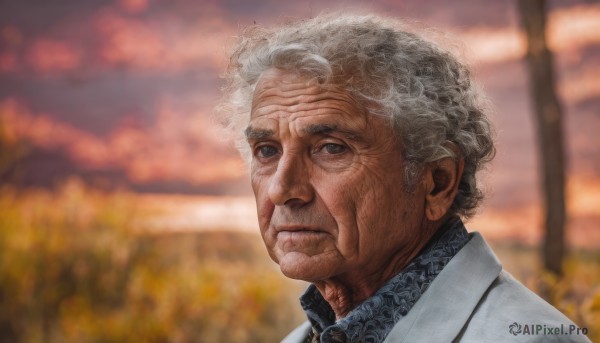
339,196
263,205
366,208
354,197
343,199
265,209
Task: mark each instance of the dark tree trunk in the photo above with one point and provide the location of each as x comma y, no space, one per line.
550,140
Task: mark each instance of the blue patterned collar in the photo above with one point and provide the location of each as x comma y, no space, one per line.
373,319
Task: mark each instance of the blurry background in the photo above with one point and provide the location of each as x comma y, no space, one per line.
126,217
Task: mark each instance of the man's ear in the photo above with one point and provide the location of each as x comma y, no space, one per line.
442,178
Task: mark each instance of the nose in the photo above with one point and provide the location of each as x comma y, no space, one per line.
290,184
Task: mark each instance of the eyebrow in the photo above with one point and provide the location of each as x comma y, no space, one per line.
252,133
316,129
325,129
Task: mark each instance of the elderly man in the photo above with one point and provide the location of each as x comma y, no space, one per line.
364,141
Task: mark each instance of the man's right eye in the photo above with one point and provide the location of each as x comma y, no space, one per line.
266,151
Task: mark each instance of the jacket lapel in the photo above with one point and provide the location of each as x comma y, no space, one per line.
445,307
299,335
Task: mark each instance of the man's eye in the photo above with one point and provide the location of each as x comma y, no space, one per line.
333,148
266,151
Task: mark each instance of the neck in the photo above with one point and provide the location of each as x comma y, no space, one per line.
345,292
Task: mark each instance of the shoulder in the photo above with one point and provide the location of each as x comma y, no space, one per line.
507,298
510,312
474,300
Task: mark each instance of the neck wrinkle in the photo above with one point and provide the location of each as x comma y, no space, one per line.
344,295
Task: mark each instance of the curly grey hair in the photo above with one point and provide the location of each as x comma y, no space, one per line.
434,107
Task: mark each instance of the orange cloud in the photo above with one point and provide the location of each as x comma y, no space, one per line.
568,29
175,147
160,45
494,45
583,85
53,55
172,149
130,42
574,27
584,196
19,123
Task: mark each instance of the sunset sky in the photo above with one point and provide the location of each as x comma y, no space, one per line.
124,90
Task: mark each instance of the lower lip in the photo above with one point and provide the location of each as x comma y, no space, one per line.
299,236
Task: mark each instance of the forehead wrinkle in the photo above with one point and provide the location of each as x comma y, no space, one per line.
300,104
270,88
264,94
288,89
295,98
288,98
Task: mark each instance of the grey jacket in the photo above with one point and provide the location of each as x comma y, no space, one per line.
474,300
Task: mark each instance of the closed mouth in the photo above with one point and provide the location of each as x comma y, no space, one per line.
297,228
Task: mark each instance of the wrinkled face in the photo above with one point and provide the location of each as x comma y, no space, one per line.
328,181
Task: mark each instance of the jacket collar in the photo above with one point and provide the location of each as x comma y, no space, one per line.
446,306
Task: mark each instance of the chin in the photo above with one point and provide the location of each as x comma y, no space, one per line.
302,267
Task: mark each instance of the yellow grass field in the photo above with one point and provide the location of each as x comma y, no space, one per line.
81,265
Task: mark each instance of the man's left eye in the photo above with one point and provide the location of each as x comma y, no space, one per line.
333,148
